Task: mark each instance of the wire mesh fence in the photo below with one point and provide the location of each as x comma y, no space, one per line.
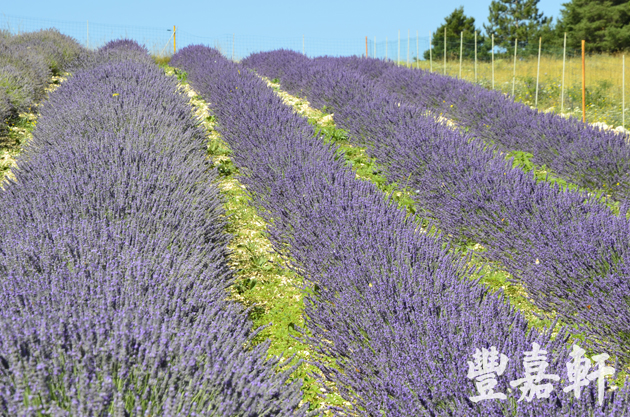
159,41
94,35
553,83
237,46
558,75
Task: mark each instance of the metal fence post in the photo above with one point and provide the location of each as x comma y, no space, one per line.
583,83
493,61
538,71
564,59
514,73
475,56
444,50
398,58
431,52
461,51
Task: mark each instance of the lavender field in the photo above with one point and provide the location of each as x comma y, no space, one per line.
122,289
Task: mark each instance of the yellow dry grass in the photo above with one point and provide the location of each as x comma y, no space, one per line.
599,68
604,82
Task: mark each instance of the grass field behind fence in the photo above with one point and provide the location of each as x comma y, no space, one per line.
603,82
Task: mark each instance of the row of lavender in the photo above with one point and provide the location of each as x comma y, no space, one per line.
113,261
27,62
388,303
570,252
590,157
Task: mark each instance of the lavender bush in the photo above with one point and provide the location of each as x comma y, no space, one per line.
113,51
58,50
17,89
124,44
23,70
113,264
568,250
26,63
386,301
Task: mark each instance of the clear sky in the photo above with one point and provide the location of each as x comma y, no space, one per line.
323,27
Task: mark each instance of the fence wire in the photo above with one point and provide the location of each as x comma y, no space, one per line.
560,70
603,73
159,41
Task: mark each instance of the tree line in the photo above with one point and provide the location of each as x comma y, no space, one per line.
604,24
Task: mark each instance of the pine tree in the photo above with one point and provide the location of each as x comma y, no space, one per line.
456,23
604,24
512,19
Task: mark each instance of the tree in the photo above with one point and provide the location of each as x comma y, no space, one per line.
604,24
456,23
512,19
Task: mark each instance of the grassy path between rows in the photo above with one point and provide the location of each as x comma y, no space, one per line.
264,283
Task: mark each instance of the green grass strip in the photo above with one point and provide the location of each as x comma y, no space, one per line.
264,283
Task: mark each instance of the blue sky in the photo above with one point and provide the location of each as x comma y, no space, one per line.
323,27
